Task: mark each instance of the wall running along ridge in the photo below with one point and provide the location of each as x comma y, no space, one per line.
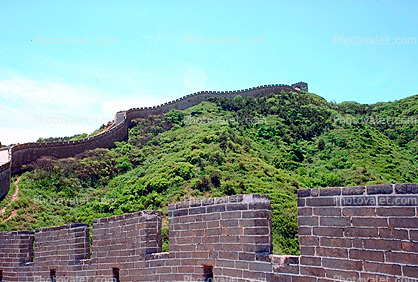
22,154
367,233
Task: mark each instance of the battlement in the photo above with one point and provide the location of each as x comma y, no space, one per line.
300,86
361,233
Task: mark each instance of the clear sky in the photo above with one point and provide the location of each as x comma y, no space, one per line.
66,67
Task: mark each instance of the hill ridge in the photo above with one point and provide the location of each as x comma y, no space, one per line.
23,154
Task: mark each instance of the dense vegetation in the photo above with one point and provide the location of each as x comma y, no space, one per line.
271,145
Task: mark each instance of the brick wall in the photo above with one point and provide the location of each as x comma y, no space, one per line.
346,234
359,233
60,249
123,242
229,234
28,152
4,179
16,250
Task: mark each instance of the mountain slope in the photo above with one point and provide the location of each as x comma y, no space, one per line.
271,145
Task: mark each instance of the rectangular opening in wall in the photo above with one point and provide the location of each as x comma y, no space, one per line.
207,273
115,271
53,275
1,275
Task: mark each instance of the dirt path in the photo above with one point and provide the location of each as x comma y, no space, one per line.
14,198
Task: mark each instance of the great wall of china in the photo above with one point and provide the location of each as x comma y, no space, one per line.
365,233
22,154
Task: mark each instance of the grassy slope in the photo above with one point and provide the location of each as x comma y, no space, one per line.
271,145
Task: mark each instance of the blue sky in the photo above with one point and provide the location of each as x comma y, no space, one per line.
143,53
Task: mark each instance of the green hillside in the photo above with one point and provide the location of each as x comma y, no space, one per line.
271,145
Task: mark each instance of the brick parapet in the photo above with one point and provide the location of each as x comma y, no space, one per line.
359,233
231,236
221,233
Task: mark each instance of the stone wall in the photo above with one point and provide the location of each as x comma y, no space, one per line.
359,233
29,152
346,234
4,179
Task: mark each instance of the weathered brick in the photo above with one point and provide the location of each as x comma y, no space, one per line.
260,266
305,260
307,251
376,267
246,256
197,210
235,207
308,220
342,264
353,190
394,211
256,214
414,235
379,189
304,211
181,212
330,192
366,255
304,193
334,221
410,271
360,232
305,230
406,188
315,192
312,271
308,240
379,244
301,202
328,231
404,222
369,221
332,252
321,201
358,211
215,208
342,275
328,211
403,258
256,231
335,242
391,233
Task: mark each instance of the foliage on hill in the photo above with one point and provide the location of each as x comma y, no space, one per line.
271,145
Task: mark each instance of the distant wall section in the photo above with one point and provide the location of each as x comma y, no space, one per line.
4,179
29,152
